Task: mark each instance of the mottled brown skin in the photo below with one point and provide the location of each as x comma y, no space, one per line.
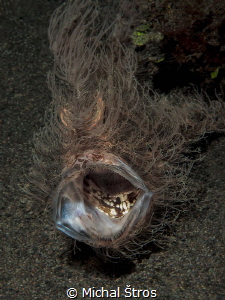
99,107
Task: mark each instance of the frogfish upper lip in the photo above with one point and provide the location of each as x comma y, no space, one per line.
100,200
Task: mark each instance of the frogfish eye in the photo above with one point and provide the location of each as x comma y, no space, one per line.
100,200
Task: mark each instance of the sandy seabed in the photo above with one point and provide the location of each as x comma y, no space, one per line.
37,264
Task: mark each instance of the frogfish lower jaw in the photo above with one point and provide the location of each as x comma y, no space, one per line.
100,200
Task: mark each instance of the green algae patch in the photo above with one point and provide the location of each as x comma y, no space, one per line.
143,34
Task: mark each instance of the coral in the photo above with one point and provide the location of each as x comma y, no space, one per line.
193,44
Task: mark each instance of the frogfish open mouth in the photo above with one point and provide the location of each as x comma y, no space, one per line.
110,155
100,199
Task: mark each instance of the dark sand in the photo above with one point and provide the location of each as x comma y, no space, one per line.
37,264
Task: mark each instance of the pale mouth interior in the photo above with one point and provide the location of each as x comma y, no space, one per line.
109,192
102,203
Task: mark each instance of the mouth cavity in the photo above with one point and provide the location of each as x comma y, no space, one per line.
102,200
109,192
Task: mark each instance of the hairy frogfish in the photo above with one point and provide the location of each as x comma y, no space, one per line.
110,154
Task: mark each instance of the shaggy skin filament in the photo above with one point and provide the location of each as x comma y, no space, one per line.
110,155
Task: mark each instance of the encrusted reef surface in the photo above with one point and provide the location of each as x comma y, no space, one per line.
39,265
